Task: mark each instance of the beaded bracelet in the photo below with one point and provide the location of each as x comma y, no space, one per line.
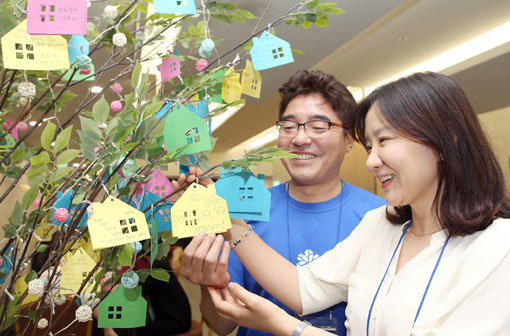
240,239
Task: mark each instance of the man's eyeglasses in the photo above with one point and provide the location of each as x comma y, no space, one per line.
312,127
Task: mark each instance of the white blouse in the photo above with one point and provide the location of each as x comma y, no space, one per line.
469,294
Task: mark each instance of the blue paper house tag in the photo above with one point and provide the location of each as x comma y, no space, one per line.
247,197
161,212
77,45
270,51
175,6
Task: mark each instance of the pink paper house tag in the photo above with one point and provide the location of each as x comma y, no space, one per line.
55,17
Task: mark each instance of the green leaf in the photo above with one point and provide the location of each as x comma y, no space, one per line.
60,173
31,276
90,125
47,135
66,156
326,6
312,4
41,248
310,17
246,14
40,159
18,155
335,11
12,171
135,76
62,140
17,215
307,24
100,111
31,314
321,23
124,191
36,175
29,197
160,274
297,51
126,255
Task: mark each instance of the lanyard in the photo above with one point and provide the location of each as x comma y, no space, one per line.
386,272
287,189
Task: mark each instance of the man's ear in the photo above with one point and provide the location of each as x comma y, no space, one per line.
349,142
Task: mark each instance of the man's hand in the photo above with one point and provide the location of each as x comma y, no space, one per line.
192,175
200,263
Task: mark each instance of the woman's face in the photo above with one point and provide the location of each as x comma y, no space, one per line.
406,169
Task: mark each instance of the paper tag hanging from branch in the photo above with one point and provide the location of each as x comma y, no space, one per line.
116,223
251,81
199,210
270,51
231,88
123,308
31,52
75,271
55,17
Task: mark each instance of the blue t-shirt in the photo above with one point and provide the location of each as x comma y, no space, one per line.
301,232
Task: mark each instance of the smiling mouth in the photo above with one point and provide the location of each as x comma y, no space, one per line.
305,156
386,178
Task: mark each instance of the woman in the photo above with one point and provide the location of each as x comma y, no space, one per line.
434,262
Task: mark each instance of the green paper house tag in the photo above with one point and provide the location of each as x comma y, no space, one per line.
184,128
123,308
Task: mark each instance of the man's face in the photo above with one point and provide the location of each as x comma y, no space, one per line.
319,156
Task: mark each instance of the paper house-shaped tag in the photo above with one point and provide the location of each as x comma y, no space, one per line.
251,81
64,201
55,17
123,308
77,45
183,127
231,88
116,223
170,68
214,92
160,212
157,184
44,231
79,76
200,108
199,210
23,51
75,271
175,6
270,51
247,197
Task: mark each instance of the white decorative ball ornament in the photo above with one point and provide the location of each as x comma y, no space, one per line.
111,12
84,313
119,39
26,89
36,287
43,323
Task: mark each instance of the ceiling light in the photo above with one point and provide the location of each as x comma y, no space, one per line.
96,89
461,53
261,139
216,122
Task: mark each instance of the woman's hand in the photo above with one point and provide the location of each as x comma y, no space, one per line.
251,311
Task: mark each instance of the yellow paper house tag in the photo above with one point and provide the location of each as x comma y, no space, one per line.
116,223
199,210
75,271
23,51
251,82
231,88
44,231
86,245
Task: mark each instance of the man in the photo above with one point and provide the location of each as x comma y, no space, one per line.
311,213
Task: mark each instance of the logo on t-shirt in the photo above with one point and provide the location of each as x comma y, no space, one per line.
306,257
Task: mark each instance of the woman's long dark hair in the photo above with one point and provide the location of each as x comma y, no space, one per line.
433,110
